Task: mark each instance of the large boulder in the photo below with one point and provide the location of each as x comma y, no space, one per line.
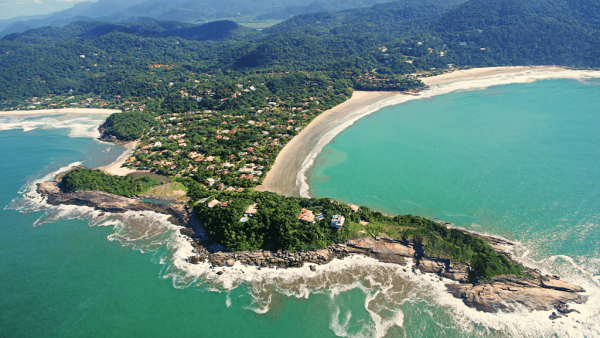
561,286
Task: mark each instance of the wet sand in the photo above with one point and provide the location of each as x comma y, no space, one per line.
115,167
282,177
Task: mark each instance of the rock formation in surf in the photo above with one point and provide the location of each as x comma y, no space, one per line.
531,290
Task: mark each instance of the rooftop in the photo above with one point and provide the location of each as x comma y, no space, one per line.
306,215
252,210
338,221
213,203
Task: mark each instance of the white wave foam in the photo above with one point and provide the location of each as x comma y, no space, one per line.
86,126
143,230
386,286
29,200
384,297
340,329
526,76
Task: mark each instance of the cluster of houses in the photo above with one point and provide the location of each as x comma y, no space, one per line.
337,221
191,144
305,215
58,101
172,133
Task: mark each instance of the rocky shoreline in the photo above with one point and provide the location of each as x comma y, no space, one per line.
100,200
105,137
502,294
533,290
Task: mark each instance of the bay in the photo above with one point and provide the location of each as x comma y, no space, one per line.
519,161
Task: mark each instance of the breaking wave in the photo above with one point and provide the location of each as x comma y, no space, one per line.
394,298
79,125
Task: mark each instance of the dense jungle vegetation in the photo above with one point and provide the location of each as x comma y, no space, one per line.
276,227
86,179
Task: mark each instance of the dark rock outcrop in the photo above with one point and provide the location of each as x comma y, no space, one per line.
502,294
104,201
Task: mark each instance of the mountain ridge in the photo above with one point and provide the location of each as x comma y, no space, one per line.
180,10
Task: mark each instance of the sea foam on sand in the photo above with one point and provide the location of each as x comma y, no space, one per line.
79,126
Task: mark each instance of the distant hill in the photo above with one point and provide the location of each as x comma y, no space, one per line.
525,32
83,11
216,31
193,11
391,39
318,6
398,16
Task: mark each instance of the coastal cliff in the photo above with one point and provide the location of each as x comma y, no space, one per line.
531,290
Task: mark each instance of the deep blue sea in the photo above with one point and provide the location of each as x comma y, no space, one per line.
519,161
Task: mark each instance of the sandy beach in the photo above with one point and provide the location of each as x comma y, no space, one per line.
474,73
69,111
115,167
288,175
282,177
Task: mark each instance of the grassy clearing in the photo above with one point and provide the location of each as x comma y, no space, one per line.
173,189
376,228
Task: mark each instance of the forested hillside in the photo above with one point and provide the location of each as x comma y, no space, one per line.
417,36
212,105
217,31
528,32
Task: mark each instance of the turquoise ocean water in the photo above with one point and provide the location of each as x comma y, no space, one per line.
520,161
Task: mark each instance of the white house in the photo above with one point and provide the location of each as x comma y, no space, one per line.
338,221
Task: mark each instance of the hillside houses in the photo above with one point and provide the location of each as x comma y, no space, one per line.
337,221
306,216
236,146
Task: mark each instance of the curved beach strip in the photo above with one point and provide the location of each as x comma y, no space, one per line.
288,175
281,178
69,111
116,168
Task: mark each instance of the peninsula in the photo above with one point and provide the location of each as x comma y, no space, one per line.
488,279
235,119
432,247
